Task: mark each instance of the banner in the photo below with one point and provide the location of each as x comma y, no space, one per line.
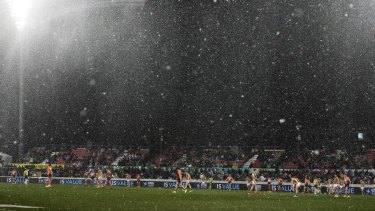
37,166
195,184
193,168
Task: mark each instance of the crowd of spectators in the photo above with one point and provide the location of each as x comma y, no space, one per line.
168,158
215,173
269,158
216,162
228,157
335,159
88,156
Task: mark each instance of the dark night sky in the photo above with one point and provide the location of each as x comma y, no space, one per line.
222,72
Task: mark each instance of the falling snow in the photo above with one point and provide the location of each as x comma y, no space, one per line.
216,69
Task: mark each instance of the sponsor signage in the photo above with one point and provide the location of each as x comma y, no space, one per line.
172,184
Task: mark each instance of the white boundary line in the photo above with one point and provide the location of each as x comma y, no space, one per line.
19,206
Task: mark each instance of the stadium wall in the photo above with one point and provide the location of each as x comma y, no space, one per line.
196,184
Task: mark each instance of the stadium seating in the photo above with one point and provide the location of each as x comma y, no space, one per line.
371,154
203,157
211,161
169,157
291,165
130,157
268,158
212,157
83,156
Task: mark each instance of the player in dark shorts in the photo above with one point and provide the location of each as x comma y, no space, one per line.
307,187
269,179
138,180
85,177
109,177
49,175
14,174
92,176
229,180
280,180
347,185
179,181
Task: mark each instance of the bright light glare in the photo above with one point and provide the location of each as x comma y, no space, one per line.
19,10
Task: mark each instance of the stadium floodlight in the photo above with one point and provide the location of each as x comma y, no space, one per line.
360,136
129,1
299,138
19,11
161,140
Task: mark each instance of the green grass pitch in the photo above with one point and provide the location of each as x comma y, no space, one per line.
72,197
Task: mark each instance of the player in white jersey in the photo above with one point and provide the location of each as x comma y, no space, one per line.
203,179
39,176
99,177
363,187
128,179
329,186
254,183
248,182
188,178
295,184
341,185
336,185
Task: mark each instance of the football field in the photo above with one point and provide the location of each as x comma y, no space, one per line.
72,197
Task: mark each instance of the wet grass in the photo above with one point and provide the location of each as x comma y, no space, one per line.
72,197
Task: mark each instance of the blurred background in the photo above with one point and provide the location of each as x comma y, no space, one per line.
159,73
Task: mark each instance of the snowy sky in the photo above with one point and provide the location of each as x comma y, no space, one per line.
220,71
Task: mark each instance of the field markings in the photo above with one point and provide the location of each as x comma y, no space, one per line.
20,206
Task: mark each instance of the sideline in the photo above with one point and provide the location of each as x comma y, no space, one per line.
192,181
19,206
